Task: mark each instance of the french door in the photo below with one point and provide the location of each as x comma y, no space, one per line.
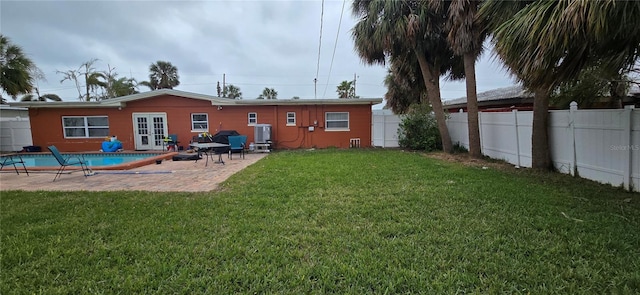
149,130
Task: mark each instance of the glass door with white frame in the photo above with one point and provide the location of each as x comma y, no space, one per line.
149,130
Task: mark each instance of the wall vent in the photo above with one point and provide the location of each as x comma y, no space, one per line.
354,143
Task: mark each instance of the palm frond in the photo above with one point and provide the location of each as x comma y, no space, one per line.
16,69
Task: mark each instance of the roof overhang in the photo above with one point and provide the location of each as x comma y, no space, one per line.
333,101
494,103
121,102
495,96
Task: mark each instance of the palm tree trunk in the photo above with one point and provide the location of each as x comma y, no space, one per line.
86,85
432,83
541,157
472,106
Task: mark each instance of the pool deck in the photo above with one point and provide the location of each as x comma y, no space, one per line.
169,176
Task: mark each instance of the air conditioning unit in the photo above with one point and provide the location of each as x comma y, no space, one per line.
262,133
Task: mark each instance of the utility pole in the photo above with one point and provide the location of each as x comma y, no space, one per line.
315,88
224,84
354,85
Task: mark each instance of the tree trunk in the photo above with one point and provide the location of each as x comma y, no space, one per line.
541,157
472,106
432,83
86,85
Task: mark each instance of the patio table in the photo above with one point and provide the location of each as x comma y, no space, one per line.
210,149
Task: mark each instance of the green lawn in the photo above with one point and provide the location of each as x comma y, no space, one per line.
330,221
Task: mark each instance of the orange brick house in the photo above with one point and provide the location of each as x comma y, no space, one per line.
141,121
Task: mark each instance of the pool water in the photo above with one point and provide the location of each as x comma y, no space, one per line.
47,160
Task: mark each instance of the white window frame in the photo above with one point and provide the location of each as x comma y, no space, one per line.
86,127
328,122
252,121
291,118
193,122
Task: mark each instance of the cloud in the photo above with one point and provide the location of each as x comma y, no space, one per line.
255,44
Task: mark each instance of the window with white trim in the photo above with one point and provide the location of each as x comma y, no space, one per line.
291,118
253,118
200,122
336,121
85,126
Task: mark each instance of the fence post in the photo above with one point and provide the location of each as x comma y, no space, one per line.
480,131
384,130
626,142
515,123
573,107
461,140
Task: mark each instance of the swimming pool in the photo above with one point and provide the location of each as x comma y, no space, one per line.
96,160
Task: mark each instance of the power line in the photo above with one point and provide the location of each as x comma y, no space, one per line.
335,45
315,80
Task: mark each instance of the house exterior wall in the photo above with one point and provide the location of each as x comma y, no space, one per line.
47,129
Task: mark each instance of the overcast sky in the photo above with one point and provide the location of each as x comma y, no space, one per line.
257,44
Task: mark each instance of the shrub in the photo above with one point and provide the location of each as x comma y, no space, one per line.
458,148
419,129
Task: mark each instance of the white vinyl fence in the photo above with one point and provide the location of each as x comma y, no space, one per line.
385,129
15,129
601,145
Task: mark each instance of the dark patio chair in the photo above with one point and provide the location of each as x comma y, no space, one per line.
13,159
69,161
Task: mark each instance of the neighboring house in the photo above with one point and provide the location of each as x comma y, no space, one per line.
516,97
141,121
15,131
501,99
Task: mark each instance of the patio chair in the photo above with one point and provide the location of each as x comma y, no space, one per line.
172,142
237,144
69,161
13,159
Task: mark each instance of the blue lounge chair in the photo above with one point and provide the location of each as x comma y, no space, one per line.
13,159
69,161
237,144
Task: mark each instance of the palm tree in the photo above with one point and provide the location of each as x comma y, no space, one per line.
388,28
162,74
153,85
232,92
16,69
405,86
93,80
592,87
122,87
44,97
71,75
346,90
547,42
466,36
268,93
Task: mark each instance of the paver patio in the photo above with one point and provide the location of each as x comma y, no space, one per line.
187,176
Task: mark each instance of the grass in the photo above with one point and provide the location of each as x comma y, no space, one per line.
330,221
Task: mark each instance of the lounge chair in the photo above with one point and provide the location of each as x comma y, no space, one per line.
69,161
237,145
13,159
